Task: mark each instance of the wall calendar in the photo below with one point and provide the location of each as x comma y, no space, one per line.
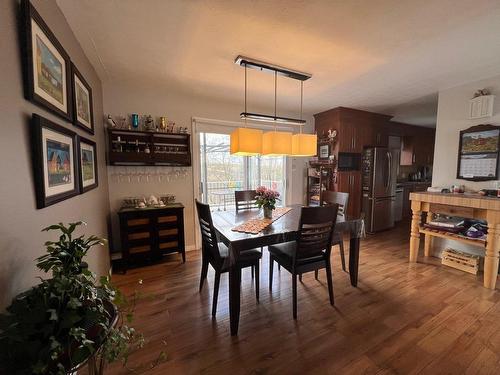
478,153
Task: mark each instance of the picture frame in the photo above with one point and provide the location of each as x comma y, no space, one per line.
478,153
54,154
323,151
83,110
87,164
46,65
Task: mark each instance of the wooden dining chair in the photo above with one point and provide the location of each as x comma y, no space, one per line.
341,199
217,254
311,251
245,199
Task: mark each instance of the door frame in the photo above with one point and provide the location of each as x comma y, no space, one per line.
223,125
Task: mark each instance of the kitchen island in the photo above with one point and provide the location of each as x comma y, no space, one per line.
471,206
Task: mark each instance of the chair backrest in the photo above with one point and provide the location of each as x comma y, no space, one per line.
209,243
316,228
337,197
245,199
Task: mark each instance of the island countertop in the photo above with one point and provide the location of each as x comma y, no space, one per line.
473,200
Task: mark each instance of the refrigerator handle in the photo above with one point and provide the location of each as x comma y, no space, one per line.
389,175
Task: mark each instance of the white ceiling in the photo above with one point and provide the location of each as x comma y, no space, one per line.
389,56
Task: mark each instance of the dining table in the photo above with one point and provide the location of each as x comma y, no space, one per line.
284,229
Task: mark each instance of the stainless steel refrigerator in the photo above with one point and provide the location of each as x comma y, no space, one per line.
379,174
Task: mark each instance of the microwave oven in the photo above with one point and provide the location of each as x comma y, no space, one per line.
348,161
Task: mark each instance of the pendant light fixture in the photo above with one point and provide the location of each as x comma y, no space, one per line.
246,141
304,144
276,143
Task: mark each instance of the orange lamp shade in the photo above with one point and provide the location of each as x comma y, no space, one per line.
246,142
304,144
277,143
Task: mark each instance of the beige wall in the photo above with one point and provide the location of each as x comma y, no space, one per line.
123,98
451,119
20,222
453,106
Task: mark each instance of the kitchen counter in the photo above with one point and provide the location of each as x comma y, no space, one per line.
406,183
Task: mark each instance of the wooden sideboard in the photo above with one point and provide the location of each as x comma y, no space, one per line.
462,205
149,233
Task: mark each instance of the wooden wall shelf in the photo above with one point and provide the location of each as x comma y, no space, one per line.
129,147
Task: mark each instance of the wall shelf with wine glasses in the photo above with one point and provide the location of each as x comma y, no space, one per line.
132,147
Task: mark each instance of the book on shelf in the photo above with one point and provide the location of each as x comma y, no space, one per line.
447,222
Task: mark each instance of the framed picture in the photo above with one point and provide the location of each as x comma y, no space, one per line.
54,162
83,114
478,152
87,159
324,151
46,65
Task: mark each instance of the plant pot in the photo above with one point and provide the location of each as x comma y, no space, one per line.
268,213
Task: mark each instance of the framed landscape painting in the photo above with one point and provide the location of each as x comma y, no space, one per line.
83,115
87,158
46,65
54,162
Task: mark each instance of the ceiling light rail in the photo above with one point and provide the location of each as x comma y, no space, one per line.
271,68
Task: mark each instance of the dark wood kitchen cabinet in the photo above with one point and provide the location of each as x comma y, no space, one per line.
350,182
407,150
149,233
356,129
418,148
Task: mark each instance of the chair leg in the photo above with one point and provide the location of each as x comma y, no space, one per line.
204,272
316,274
257,281
279,267
294,292
328,269
216,293
252,271
271,264
342,254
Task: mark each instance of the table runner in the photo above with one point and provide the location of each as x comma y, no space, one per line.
257,224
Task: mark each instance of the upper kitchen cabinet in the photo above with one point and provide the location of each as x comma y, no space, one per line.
417,146
355,129
407,150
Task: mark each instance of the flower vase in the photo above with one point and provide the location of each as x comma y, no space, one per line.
268,213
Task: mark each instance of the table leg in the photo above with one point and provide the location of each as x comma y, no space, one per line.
354,260
492,251
415,230
428,238
234,298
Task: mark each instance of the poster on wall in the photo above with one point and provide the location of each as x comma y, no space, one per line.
83,116
87,158
46,65
478,153
54,162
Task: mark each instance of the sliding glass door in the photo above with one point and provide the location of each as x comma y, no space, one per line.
222,173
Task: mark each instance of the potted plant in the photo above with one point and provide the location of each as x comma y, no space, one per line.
67,320
267,198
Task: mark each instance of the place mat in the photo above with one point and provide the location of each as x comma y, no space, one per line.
257,224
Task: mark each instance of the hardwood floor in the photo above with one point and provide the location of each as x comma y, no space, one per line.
402,319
